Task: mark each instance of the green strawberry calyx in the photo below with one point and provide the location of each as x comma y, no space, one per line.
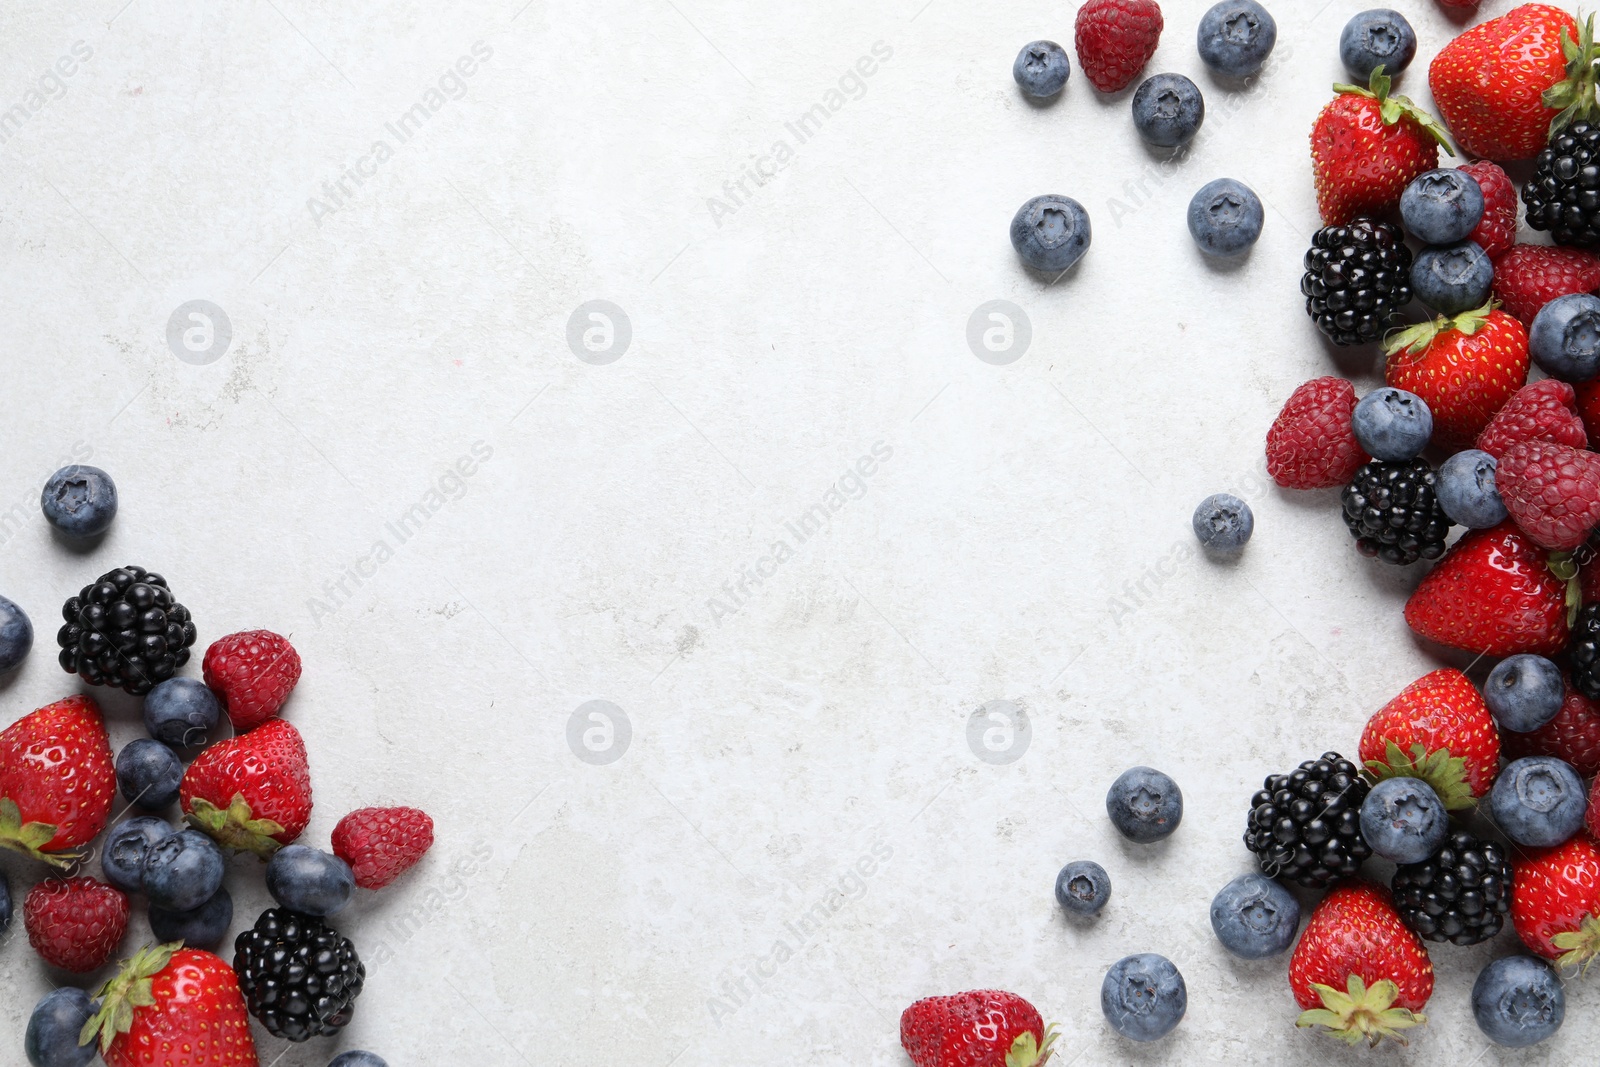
30,838
1026,1051
1361,1013
1580,947
1575,96
1414,340
1445,774
1391,109
126,992
234,827
1565,568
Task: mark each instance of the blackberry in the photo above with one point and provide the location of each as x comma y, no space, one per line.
126,631
1357,278
1584,650
1306,825
299,976
1563,196
1393,511
1461,894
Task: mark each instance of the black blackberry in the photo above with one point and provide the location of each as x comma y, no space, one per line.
1563,196
1306,825
1393,512
1461,894
299,976
1584,650
125,631
1357,277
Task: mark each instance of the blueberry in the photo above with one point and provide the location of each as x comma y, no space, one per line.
1168,110
1523,692
358,1058
1380,37
1454,278
1538,801
1225,217
1565,337
149,773
1235,37
53,1028
1392,424
309,881
1404,820
1255,917
1223,522
1050,232
182,871
16,635
1467,492
127,844
1041,68
202,928
79,501
1441,207
1144,804
1518,1001
181,712
1143,996
1083,887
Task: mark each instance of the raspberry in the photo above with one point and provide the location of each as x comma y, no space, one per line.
1497,230
1573,735
380,844
1311,444
1115,39
75,923
251,673
1588,405
1543,411
1552,491
1528,277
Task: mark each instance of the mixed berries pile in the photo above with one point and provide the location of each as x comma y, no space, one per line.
176,1002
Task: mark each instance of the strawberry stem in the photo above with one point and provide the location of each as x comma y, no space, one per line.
1361,1013
1579,947
1445,774
127,990
1415,339
30,838
235,827
1575,95
1391,109
1565,567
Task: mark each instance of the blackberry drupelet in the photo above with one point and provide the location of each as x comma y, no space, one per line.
1584,650
126,631
1305,826
1461,894
299,976
1393,511
1357,277
1563,196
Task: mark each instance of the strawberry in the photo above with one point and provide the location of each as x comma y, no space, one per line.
57,780
984,1028
1366,147
251,792
1573,735
1115,39
381,844
1528,277
1497,230
1465,368
1543,411
252,674
1552,492
1440,730
75,923
1311,444
172,1006
1358,971
1555,898
1491,82
1497,593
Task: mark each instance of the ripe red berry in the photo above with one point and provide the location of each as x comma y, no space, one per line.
75,923
1528,277
1552,491
1115,39
1311,444
381,844
1573,735
1543,411
1497,230
252,674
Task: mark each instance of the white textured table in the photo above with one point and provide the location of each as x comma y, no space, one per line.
797,532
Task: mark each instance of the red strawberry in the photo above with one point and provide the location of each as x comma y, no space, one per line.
75,923
1573,735
1497,230
1552,492
381,844
1440,730
1311,444
172,1006
1543,411
251,792
251,673
1366,147
1465,368
1530,276
984,1028
1490,81
1555,898
1115,39
1494,592
57,780
1358,970
1588,402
